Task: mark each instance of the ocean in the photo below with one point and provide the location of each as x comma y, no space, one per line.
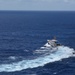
23,33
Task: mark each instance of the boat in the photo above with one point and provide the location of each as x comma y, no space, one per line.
51,44
50,47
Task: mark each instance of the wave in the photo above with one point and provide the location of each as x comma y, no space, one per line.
12,58
61,53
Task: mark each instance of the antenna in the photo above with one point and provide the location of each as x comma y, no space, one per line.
54,37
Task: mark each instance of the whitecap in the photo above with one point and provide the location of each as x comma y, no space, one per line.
12,58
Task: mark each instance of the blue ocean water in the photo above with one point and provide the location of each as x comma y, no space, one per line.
22,33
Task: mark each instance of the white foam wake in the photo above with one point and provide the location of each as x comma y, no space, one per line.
62,52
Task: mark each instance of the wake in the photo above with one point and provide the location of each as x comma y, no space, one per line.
61,53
